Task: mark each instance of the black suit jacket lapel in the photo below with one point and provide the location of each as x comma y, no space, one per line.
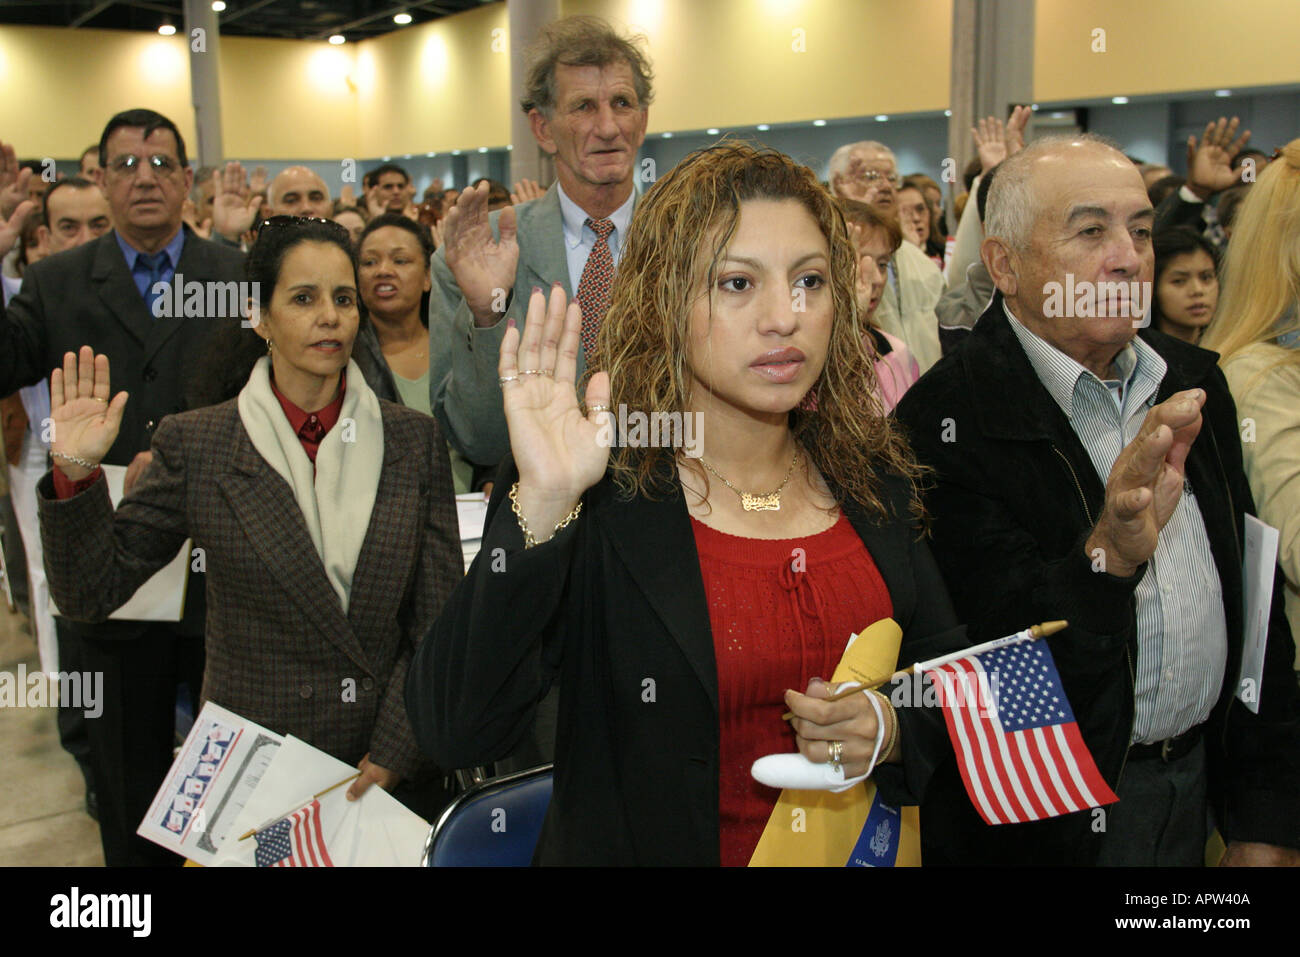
656,544
265,507
116,287
195,264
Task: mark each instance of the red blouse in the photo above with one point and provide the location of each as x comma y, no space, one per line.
781,611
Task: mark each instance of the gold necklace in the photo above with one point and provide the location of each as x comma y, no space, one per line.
752,502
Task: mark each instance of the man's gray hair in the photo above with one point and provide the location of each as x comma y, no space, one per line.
841,157
1010,211
580,41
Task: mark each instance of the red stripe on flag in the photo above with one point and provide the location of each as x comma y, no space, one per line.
1087,767
1053,748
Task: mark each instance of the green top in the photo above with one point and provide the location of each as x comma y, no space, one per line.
414,394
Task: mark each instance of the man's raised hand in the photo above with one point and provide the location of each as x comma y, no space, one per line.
234,205
484,267
1209,162
1146,483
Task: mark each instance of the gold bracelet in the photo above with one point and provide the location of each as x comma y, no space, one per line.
529,539
888,747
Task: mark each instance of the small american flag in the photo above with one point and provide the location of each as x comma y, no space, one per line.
1018,746
295,841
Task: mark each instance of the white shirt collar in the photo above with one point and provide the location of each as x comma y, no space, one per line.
575,218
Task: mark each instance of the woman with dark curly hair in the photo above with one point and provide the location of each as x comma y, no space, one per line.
705,535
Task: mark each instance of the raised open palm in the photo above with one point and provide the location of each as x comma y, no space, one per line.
85,422
484,267
560,451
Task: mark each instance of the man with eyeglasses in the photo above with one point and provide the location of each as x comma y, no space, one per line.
102,294
868,172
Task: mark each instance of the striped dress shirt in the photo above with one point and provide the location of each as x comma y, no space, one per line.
1182,635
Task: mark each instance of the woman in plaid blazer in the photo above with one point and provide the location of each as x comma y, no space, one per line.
324,517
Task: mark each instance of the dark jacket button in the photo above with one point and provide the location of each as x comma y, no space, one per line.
368,684
305,691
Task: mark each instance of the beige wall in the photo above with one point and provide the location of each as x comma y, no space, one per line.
1159,46
446,84
735,62
436,86
59,87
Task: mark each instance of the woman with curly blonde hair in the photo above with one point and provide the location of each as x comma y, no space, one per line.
729,507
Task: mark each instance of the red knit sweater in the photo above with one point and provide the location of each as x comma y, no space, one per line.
782,611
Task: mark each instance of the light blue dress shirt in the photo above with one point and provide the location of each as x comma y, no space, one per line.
1181,631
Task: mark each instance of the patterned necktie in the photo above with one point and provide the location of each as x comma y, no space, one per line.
593,287
157,266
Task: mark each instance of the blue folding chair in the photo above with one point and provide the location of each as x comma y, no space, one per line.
493,824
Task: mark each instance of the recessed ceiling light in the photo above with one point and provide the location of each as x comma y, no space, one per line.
510,146
218,5
666,136
819,122
455,152
167,29
386,158
712,131
1119,100
430,154
482,149
1223,93
402,19
338,39
763,127
947,112
1034,107
881,117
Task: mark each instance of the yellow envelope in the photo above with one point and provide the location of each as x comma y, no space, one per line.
823,829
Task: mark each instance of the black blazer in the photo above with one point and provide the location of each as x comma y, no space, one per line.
615,599
87,296
1015,498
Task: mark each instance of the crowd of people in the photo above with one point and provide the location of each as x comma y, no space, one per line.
902,418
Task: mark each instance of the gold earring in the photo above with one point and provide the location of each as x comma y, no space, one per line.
270,346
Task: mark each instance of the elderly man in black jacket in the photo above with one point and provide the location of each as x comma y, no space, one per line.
107,294
1088,471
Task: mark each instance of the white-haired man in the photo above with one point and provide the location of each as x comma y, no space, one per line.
868,172
1092,472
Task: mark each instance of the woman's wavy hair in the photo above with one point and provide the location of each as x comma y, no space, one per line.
671,256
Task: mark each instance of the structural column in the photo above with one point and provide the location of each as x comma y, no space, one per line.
527,159
992,66
205,88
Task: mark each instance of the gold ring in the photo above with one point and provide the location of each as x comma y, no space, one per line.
836,751
98,399
502,380
545,372
597,408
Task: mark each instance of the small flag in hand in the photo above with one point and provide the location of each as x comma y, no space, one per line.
295,841
1018,746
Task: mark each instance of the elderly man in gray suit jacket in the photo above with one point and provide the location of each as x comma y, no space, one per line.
587,93
117,293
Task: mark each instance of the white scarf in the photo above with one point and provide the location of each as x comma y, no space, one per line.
337,498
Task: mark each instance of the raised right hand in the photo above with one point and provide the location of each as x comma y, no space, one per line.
234,205
13,182
85,423
555,446
484,268
990,142
1146,483
1209,162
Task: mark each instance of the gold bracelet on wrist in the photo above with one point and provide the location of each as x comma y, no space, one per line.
888,748
529,539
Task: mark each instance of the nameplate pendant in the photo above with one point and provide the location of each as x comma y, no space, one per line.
761,503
